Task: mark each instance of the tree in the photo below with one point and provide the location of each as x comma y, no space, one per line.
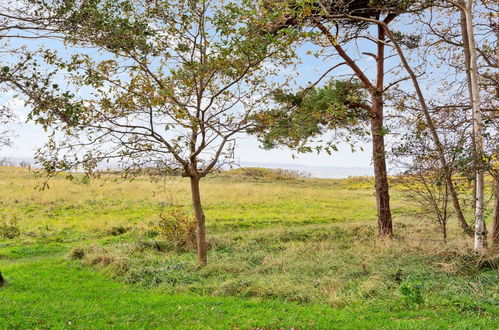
473,59
299,120
422,177
177,83
339,23
491,62
470,50
472,68
428,118
21,21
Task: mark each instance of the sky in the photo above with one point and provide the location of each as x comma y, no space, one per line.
29,137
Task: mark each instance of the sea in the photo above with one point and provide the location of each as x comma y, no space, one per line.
324,172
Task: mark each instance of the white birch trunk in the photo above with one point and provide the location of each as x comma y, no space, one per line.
480,233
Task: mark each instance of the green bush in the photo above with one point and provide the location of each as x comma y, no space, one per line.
178,227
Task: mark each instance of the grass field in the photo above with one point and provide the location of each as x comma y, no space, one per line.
297,253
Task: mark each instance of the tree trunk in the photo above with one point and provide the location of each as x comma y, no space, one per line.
200,220
480,232
444,217
385,227
467,62
443,227
495,220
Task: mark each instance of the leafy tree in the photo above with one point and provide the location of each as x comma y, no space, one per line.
172,86
340,24
300,119
465,47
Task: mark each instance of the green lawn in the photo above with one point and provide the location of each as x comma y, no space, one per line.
51,293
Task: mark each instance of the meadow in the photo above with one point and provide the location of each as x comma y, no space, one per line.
285,252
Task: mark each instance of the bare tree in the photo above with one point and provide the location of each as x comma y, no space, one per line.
423,178
475,56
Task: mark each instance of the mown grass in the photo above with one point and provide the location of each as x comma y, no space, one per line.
283,253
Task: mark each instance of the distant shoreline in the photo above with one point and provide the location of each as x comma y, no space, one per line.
320,172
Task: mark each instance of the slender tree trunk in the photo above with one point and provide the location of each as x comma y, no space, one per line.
200,220
467,61
385,226
443,227
480,232
444,217
495,220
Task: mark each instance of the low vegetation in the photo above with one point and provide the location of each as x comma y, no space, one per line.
283,253
266,173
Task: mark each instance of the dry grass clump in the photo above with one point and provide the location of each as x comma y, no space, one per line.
101,257
9,227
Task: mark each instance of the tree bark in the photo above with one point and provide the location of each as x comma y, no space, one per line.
385,226
444,232
200,220
467,62
480,240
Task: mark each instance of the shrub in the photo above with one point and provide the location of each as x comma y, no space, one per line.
178,227
9,228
